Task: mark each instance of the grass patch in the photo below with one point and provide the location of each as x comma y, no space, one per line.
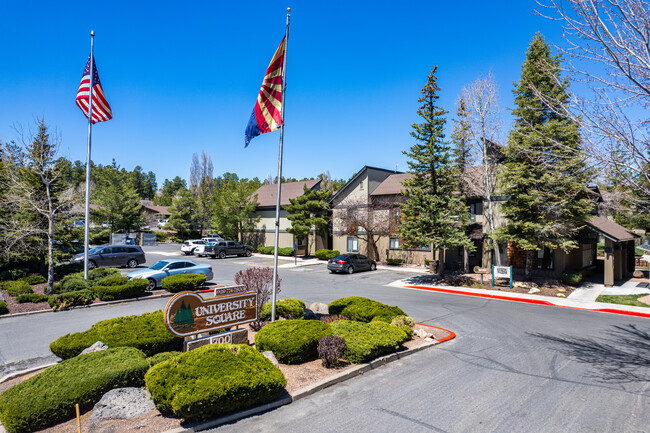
623,299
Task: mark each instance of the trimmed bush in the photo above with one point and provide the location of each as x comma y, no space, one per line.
34,279
364,310
214,380
73,284
572,278
162,356
17,288
13,274
146,332
326,254
394,262
71,299
31,297
3,308
178,283
367,341
161,236
330,349
132,289
97,274
265,250
402,321
292,341
271,250
64,269
112,281
290,308
50,397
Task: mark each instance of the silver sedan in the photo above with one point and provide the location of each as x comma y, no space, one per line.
165,268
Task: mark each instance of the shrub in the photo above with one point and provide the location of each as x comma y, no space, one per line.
176,239
426,262
17,288
31,297
34,279
3,308
289,308
98,236
265,250
50,397
402,321
572,278
214,380
292,341
259,280
13,274
64,269
94,275
162,356
333,318
330,349
146,332
112,281
285,251
271,250
132,289
71,299
394,262
326,254
364,309
367,341
161,236
178,283
73,284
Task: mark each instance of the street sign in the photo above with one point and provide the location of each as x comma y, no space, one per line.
478,270
502,271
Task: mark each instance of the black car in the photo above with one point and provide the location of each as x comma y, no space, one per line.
113,255
350,263
222,249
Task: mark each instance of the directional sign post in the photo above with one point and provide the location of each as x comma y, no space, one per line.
481,271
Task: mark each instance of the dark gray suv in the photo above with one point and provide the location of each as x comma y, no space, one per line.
113,255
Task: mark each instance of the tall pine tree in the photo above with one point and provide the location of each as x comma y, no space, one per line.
308,211
433,209
545,174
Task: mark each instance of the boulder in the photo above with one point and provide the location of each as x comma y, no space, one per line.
123,403
271,357
638,274
94,348
422,333
319,308
534,290
310,315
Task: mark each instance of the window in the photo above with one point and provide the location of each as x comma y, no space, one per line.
353,243
472,211
394,244
361,186
544,259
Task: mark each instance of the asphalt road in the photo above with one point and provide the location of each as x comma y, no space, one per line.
512,367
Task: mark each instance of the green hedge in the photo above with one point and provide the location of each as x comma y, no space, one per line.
117,280
34,279
50,397
214,380
271,250
3,308
132,289
290,308
364,310
367,341
326,254
162,356
71,299
292,341
265,250
394,262
64,269
572,278
178,283
146,332
16,288
31,297
72,283
13,274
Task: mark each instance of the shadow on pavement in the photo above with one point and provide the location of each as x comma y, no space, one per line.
622,355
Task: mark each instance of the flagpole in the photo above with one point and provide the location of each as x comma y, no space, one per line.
90,128
277,206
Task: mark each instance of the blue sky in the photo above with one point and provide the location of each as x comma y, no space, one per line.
182,77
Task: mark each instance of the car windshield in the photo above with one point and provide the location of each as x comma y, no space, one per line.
158,266
341,257
94,250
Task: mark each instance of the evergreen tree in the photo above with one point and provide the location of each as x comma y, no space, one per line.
170,189
183,217
433,209
234,204
117,199
307,211
545,173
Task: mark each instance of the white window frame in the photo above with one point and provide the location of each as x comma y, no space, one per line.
355,244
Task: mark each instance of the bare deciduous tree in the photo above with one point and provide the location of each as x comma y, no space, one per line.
202,186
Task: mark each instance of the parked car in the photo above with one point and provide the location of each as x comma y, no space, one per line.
188,247
113,255
200,249
222,249
350,263
165,268
212,238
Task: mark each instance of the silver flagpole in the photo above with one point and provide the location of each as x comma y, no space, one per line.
277,206
90,129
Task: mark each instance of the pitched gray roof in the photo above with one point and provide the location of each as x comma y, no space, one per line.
267,194
611,230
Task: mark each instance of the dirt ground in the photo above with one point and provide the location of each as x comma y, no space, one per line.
298,377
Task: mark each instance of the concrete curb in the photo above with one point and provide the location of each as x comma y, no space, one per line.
16,374
312,389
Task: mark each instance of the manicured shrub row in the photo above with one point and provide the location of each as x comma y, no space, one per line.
50,397
364,309
16,288
3,308
146,332
326,254
162,356
213,380
34,279
72,283
13,274
290,308
132,289
292,341
71,299
31,297
394,262
178,283
64,269
117,280
366,341
572,278
271,250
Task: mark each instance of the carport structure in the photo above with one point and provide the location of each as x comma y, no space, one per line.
619,248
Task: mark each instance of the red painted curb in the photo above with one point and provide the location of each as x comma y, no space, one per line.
529,301
451,335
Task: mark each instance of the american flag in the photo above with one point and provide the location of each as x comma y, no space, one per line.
101,109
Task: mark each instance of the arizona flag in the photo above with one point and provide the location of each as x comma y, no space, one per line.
101,109
267,113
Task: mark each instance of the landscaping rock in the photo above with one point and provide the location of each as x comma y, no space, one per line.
533,290
638,274
123,403
422,333
94,348
310,315
271,357
319,308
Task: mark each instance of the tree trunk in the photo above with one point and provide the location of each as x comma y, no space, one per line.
441,263
465,260
530,257
50,246
372,248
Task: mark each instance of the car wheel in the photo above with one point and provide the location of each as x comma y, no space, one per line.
222,254
132,263
187,253
91,264
214,257
350,270
152,284
249,253
192,252
373,267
